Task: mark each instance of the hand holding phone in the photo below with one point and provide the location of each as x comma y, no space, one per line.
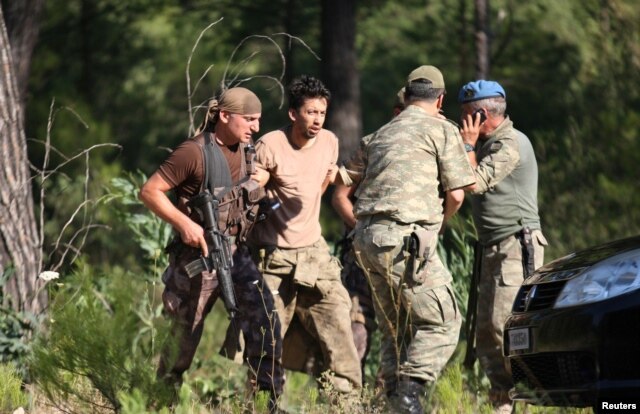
483,116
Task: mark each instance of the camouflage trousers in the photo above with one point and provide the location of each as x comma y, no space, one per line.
501,275
306,286
188,302
363,317
417,314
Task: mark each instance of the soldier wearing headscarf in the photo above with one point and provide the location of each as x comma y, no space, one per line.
225,135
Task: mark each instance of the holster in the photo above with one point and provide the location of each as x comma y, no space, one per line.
417,248
528,259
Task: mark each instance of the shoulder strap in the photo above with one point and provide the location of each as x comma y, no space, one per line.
249,158
216,170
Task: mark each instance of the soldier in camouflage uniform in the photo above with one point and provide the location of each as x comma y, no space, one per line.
411,173
227,130
505,211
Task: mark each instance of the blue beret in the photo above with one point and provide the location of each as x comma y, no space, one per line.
481,89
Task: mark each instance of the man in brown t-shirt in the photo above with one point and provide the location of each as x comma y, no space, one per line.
228,126
294,164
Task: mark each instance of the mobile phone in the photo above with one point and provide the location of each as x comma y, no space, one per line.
483,116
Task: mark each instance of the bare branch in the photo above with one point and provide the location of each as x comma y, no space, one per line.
276,81
78,155
239,66
189,93
200,80
76,249
66,225
42,179
302,42
223,82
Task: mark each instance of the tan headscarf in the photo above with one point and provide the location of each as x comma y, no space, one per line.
236,100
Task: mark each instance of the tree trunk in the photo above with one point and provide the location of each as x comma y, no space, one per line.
289,23
20,246
483,39
22,25
340,72
463,32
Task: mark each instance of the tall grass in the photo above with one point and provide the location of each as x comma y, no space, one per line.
11,394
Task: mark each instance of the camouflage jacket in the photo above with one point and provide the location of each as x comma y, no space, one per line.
405,167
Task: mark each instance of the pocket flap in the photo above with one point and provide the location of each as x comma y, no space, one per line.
540,238
385,236
278,263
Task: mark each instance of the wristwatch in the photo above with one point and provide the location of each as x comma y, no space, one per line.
468,147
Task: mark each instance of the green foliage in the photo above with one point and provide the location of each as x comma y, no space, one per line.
150,233
456,252
11,394
16,330
101,340
216,379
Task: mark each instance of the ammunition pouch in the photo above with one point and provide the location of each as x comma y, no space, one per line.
238,209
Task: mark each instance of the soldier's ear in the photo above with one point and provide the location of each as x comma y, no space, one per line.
224,117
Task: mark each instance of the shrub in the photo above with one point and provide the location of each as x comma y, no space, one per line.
99,343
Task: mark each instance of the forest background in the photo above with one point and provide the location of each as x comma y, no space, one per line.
108,72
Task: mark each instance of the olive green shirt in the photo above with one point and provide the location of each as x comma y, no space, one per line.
506,196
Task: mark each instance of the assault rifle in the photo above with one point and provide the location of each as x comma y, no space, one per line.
219,257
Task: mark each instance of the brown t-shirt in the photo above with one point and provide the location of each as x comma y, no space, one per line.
184,169
296,181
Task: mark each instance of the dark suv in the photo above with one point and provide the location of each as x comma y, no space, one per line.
573,337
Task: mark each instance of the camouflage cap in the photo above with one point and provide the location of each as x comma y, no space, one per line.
430,73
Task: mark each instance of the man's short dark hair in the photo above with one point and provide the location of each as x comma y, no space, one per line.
306,87
421,90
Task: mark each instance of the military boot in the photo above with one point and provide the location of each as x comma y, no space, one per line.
406,397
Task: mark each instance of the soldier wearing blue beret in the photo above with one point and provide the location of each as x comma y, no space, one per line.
505,212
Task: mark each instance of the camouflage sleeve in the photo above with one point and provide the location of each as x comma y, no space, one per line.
455,170
352,170
496,162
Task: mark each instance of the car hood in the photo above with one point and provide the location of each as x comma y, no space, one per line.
573,264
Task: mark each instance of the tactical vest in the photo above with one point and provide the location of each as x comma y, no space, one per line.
238,202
